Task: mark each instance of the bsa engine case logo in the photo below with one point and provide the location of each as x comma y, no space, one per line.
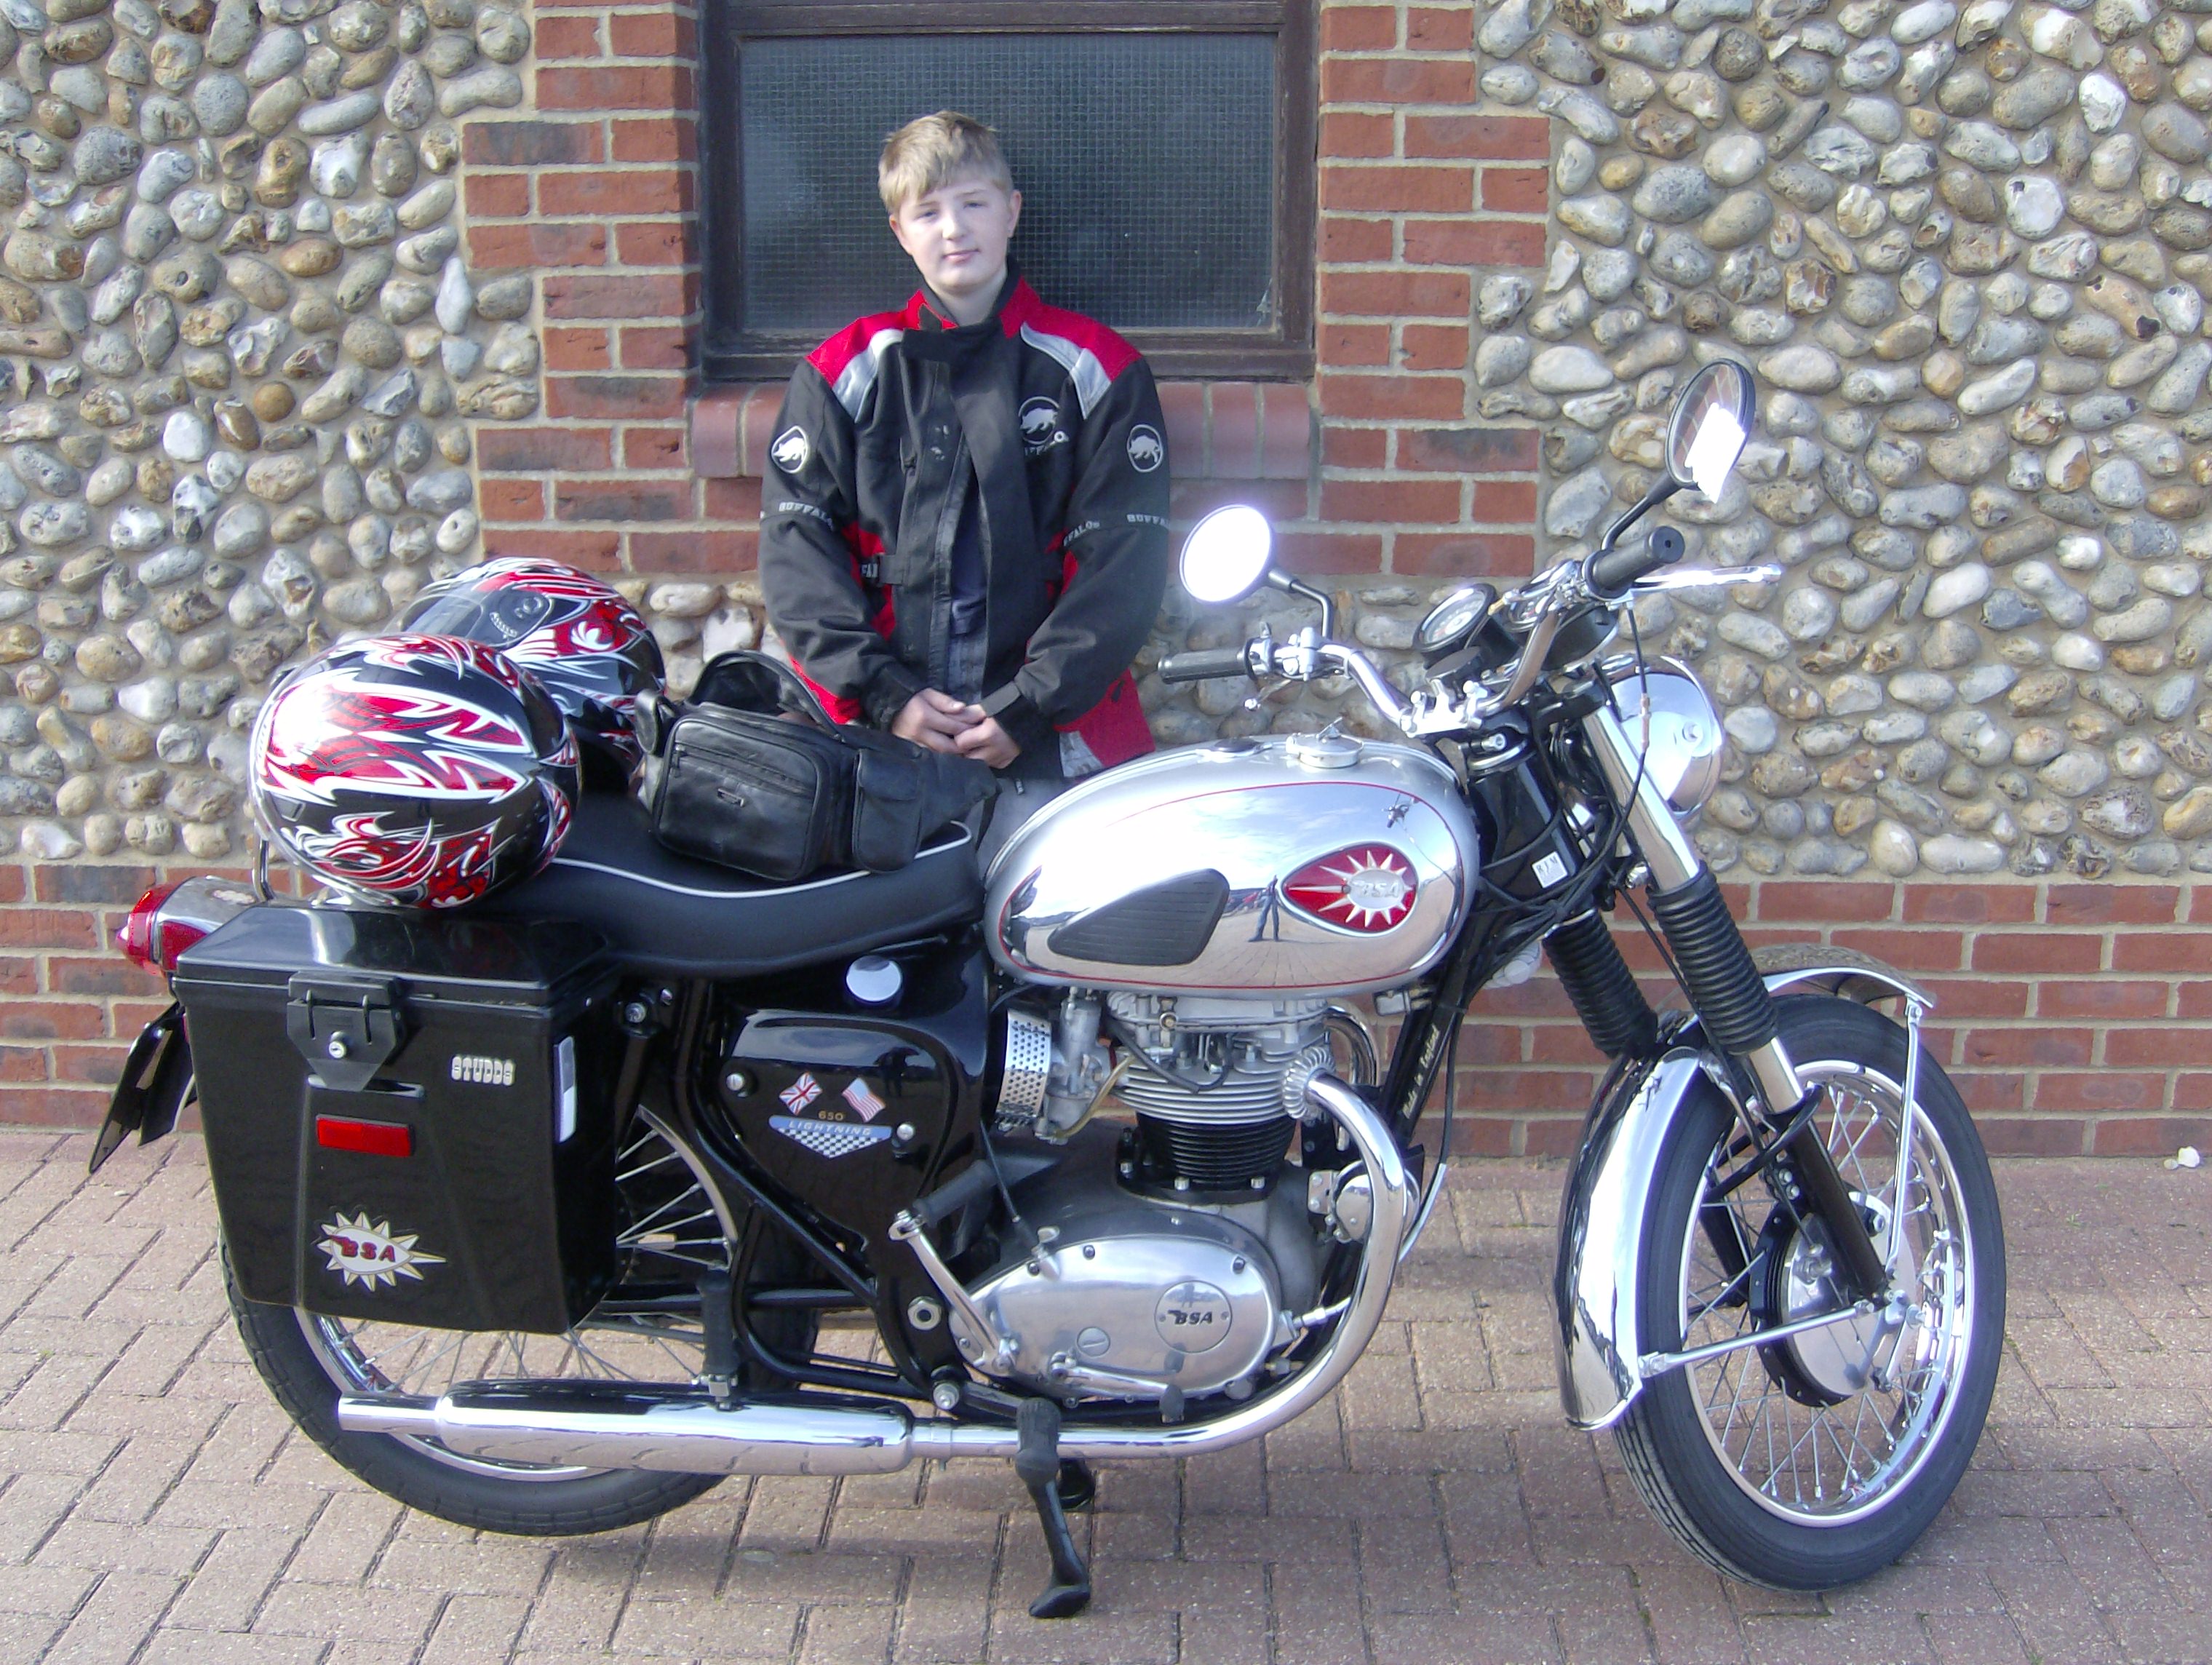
363,1253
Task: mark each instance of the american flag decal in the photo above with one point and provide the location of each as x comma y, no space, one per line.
858,1095
801,1093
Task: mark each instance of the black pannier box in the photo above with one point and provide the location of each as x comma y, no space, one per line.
408,1115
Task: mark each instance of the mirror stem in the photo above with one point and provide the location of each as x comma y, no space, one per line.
1662,488
1290,585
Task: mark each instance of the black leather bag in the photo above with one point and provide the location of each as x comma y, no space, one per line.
753,775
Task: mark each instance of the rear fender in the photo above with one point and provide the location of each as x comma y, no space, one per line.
1599,1338
157,1080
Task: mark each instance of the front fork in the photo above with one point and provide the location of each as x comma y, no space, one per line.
1732,1005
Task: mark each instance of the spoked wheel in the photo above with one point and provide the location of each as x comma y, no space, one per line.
1812,1462
647,1331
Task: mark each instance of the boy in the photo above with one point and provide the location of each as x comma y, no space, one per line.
963,525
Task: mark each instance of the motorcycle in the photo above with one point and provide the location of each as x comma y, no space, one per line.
545,1215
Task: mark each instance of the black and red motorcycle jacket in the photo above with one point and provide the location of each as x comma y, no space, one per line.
862,503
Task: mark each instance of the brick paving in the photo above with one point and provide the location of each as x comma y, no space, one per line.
156,1506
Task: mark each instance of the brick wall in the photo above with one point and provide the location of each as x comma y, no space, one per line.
2075,1018
597,189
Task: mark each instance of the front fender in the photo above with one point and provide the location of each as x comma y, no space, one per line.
1599,1340
1602,1235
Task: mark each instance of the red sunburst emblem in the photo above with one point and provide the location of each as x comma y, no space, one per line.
1366,887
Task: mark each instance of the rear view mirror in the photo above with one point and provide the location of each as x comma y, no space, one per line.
1711,420
1226,554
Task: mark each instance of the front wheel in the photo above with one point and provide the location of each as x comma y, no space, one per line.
1814,1462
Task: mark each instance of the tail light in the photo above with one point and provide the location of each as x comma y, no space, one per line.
170,918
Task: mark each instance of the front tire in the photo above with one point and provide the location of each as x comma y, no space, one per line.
1814,1462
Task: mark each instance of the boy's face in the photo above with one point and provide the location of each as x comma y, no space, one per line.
958,235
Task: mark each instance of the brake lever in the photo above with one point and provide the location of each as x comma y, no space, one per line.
1703,577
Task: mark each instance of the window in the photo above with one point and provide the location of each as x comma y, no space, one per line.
1165,149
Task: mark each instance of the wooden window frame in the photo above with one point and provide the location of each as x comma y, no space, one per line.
1283,352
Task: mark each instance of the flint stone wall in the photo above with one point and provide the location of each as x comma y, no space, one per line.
1965,248
245,358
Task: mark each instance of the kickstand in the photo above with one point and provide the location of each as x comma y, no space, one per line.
1036,1425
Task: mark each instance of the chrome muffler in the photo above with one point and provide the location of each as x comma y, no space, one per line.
607,1425
611,1424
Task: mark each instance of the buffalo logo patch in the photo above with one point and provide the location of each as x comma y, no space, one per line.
1147,450
373,1255
1040,428
791,450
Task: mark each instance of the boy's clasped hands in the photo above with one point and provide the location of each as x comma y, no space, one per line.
942,723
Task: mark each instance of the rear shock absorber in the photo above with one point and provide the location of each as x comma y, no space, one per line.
1598,980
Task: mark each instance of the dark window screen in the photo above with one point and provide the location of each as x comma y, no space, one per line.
1145,163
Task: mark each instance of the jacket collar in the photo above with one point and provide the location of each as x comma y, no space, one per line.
1016,302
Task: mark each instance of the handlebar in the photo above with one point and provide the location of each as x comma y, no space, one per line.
1609,573
1205,663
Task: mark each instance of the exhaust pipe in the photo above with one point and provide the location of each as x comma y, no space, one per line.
607,1425
611,1424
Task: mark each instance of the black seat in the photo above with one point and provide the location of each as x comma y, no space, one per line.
666,914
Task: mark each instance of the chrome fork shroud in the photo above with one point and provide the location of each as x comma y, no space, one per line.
616,1426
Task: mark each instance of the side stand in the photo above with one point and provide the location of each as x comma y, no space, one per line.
1036,1460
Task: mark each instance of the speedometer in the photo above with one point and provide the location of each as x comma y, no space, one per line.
1454,619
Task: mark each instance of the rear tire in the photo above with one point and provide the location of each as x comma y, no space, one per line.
531,1504
1767,1463
673,1232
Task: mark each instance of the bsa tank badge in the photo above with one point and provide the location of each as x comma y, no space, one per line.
363,1253
1368,887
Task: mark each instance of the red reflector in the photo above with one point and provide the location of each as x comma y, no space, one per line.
374,1138
139,935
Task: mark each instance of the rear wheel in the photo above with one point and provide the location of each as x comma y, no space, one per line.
672,1233
1814,1462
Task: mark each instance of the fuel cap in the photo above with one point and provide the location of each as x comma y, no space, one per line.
873,980
1324,750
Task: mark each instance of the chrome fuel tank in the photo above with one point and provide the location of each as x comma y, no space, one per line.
1317,864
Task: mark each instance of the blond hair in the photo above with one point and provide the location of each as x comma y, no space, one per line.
931,151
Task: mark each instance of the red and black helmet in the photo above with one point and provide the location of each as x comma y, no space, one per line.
572,632
425,771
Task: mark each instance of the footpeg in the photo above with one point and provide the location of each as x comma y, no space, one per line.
1036,1460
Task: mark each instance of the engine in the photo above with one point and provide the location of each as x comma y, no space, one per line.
1169,1258
1213,1083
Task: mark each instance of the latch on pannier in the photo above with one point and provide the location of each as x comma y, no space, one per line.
346,1028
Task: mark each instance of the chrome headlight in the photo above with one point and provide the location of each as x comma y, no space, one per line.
1672,721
